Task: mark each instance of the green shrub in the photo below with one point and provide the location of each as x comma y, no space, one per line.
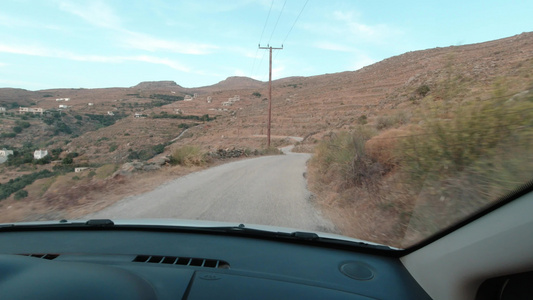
394,120
422,90
270,151
157,149
19,183
21,194
188,156
362,120
458,165
342,158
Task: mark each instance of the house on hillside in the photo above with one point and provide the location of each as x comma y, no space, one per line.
38,154
3,110
110,113
139,115
90,104
63,99
62,106
187,98
4,153
209,99
36,110
81,169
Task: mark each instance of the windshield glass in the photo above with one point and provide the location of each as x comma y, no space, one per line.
381,122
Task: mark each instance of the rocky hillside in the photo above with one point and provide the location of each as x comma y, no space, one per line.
302,106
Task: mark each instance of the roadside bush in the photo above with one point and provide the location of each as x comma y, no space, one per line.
342,159
393,120
188,156
270,151
458,165
381,148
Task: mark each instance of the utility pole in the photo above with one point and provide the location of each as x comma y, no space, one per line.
269,89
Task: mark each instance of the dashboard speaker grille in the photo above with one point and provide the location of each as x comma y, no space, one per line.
184,261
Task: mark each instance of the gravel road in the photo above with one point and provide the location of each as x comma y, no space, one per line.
269,190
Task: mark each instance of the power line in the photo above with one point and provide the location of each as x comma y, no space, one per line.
276,25
262,32
298,17
266,21
294,23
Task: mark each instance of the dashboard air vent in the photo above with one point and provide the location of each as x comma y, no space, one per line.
43,256
184,261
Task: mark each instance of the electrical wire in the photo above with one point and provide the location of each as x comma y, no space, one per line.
276,25
293,24
262,32
295,21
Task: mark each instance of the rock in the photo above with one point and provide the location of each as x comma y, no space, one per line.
151,167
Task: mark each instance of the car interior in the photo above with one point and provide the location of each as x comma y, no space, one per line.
486,257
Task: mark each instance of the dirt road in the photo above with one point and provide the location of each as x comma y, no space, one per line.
268,190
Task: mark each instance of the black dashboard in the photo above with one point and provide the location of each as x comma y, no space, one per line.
146,264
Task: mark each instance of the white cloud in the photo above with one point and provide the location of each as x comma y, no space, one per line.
2,64
44,52
148,43
162,61
342,30
94,12
24,50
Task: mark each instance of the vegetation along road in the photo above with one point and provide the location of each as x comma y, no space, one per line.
269,190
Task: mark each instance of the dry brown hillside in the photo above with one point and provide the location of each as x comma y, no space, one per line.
302,106
305,106
100,126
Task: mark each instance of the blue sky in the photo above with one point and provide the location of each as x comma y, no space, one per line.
96,43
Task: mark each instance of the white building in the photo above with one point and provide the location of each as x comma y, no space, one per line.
80,169
63,106
2,109
187,98
110,113
3,155
209,99
35,110
38,154
63,99
4,152
90,104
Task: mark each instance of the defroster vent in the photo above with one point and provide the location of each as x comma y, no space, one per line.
183,261
43,256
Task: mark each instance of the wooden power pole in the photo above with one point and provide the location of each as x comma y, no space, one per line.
269,90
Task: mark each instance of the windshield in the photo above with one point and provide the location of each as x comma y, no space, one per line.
381,122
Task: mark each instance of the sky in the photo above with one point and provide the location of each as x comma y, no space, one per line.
119,43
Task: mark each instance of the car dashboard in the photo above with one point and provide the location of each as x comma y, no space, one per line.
155,264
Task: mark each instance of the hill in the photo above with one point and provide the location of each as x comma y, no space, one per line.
107,127
386,92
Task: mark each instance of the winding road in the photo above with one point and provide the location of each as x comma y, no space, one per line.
269,190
